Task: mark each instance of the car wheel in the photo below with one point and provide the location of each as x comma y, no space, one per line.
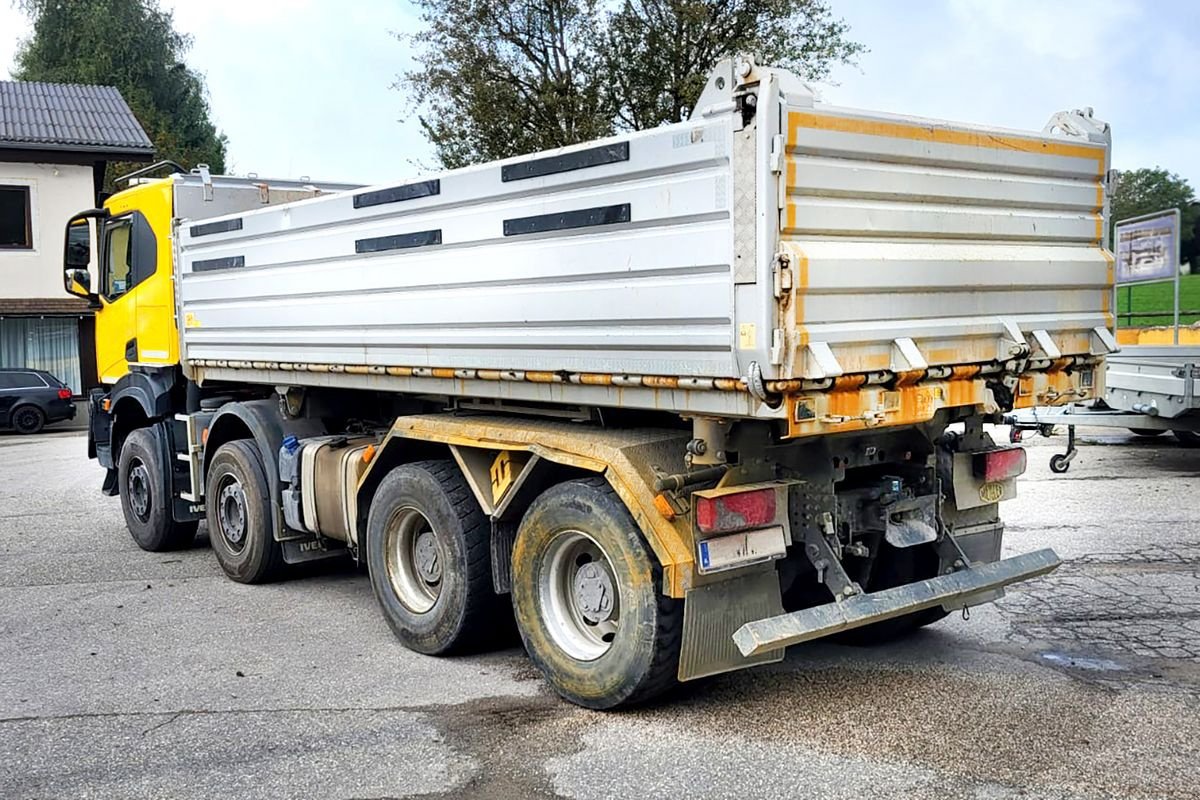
145,501
28,419
239,515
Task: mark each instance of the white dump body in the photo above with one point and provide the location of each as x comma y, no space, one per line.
695,267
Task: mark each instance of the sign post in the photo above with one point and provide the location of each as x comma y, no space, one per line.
1147,251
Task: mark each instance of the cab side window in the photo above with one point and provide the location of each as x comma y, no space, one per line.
130,254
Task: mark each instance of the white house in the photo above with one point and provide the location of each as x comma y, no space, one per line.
55,142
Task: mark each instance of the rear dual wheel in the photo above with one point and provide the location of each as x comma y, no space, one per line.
586,591
429,556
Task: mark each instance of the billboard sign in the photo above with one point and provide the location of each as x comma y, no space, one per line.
1147,247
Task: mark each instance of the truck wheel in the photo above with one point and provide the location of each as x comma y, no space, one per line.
145,501
239,515
587,595
28,419
429,556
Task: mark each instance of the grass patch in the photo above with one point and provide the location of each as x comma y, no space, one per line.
1153,302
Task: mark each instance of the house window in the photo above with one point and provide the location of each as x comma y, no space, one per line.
16,226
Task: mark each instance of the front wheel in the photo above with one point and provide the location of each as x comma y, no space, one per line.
239,515
145,499
1059,464
587,594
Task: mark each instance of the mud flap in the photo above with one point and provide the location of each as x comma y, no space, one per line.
767,634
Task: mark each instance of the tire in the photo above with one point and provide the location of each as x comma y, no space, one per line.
1059,464
145,501
430,561
239,515
1187,438
576,541
28,419
1149,433
895,567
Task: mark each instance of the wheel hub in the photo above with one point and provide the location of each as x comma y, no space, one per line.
579,596
594,593
413,559
231,505
426,555
138,487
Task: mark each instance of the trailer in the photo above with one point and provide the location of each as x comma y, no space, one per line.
1150,390
674,400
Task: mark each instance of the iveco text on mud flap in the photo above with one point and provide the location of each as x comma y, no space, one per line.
689,395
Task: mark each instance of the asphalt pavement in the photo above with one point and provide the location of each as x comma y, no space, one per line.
126,674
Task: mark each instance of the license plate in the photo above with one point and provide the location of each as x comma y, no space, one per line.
742,549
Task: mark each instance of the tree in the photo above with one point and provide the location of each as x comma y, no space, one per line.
133,45
1144,191
658,52
506,78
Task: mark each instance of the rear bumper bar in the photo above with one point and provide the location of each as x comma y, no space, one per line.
854,612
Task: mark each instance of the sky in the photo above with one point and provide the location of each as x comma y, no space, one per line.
303,87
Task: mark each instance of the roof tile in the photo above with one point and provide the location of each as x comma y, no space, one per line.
65,116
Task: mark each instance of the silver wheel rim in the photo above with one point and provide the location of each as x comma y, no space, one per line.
579,596
137,486
413,556
231,512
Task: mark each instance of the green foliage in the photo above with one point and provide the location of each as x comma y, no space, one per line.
133,45
505,78
1154,303
657,53
1144,191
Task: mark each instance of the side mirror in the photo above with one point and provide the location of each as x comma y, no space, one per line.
82,230
78,282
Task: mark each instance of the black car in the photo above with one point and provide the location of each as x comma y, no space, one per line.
29,398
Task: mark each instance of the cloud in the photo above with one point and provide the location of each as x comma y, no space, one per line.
1015,63
301,87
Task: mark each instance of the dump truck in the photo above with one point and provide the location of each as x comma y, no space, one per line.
674,400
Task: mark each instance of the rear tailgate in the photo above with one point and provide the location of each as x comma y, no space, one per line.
918,244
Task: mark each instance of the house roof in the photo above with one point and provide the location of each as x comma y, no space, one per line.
69,117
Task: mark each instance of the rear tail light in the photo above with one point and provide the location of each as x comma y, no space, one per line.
999,464
64,394
735,512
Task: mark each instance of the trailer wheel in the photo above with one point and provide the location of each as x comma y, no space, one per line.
145,502
1187,438
239,515
429,555
587,595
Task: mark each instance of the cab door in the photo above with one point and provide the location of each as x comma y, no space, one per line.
135,323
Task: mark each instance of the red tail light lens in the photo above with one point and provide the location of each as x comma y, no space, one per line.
999,464
735,512
64,394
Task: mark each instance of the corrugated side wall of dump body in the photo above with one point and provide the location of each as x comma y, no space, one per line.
947,235
607,258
